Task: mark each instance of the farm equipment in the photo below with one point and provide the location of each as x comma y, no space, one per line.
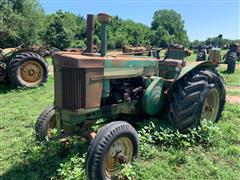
22,67
232,56
138,50
121,90
177,51
78,50
201,53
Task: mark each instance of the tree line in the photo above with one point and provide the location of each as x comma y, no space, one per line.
24,21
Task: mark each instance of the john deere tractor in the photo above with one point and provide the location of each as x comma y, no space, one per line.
22,67
121,90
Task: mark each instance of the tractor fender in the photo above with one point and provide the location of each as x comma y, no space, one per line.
191,67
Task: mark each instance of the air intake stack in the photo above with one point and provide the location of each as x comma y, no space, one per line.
104,19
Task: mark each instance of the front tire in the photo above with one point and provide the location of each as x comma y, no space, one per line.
46,122
28,69
199,95
115,144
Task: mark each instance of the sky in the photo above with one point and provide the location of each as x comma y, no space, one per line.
203,18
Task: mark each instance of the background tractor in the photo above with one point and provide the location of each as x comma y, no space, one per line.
232,56
121,90
22,67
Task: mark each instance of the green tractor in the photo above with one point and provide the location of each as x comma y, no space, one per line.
121,90
22,67
231,57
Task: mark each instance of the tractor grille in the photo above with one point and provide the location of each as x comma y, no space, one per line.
73,88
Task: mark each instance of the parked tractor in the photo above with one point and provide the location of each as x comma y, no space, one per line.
22,67
121,90
138,50
232,56
201,53
177,51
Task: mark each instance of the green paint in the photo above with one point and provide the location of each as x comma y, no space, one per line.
106,88
58,123
191,67
70,119
153,98
132,63
103,39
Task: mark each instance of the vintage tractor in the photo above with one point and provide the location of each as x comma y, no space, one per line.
138,50
232,56
177,51
22,67
201,53
120,90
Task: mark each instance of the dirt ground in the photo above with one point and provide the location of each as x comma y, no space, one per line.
233,99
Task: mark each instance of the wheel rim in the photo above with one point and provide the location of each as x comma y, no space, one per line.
31,72
120,152
211,105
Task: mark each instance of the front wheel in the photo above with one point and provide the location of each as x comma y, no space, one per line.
199,95
45,126
117,143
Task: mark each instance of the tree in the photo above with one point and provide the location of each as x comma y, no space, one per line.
22,20
168,27
65,29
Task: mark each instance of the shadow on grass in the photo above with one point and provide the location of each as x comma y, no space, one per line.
42,161
6,88
226,72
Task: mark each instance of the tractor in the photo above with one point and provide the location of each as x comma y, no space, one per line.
22,67
232,56
121,90
201,53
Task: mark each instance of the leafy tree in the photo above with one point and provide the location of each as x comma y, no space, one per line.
65,29
168,27
22,20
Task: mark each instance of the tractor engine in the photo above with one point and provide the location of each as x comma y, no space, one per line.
125,90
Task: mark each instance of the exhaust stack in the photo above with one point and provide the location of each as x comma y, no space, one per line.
90,26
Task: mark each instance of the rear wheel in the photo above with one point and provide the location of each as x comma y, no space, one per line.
231,62
201,56
117,143
28,69
199,95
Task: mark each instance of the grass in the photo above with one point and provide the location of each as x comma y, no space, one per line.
22,157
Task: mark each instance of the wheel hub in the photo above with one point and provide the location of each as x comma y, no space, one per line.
211,105
120,152
31,72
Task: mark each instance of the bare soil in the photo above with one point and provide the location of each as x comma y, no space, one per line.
233,99
233,88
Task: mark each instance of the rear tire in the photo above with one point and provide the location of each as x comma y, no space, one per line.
28,69
115,143
231,62
190,96
201,56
